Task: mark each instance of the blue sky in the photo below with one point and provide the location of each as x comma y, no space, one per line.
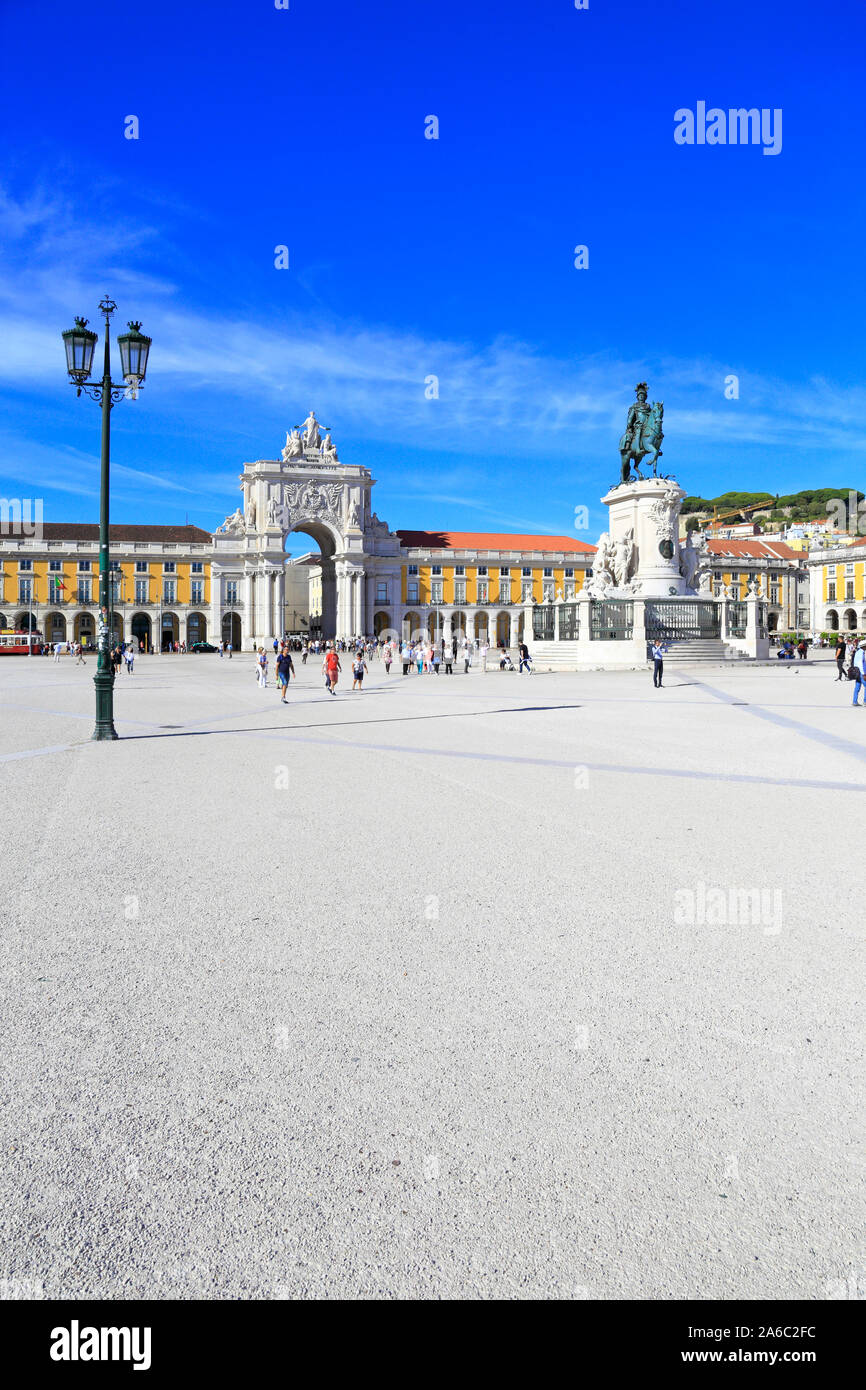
410,257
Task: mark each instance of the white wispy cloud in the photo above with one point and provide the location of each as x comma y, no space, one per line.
503,397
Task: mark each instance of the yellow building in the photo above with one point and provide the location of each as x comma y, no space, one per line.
160,583
838,587
779,572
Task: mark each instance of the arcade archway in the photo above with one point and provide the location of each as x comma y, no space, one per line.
141,630
322,587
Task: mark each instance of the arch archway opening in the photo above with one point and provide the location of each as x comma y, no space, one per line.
196,628
231,630
141,631
311,583
170,632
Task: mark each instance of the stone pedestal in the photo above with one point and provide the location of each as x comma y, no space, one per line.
646,513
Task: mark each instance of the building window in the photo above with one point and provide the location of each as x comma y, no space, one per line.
849,567
231,591
436,591
569,574
849,588
460,591
55,592
831,593
505,572
568,590
412,591
141,587
459,569
436,569
83,566
526,594
55,566
482,591
114,588
25,590
548,574
169,567
504,590
413,569
197,591
482,571
197,567
381,592
168,590
141,567
547,591
527,572
774,593
84,591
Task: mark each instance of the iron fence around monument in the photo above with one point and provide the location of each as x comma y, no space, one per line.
688,620
568,622
543,624
611,620
736,620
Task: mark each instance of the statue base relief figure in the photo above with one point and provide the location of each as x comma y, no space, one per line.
641,545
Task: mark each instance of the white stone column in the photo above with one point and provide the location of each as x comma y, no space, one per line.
358,604
216,593
446,628
263,604
370,583
280,616
248,622
514,617
340,590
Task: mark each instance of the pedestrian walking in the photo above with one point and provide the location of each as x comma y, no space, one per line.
467,655
859,664
130,658
406,657
285,671
525,659
387,657
262,668
841,652
332,668
359,666
658,653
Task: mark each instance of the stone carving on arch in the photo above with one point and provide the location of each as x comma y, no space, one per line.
309,501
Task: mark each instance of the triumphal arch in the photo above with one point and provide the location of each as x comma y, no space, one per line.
308,489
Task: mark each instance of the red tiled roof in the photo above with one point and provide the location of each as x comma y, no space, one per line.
759,550
89,531
483,540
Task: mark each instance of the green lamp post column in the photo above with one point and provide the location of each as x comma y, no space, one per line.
134,347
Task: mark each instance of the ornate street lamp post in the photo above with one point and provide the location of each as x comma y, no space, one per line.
80,342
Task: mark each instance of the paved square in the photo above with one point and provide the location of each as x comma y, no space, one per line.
485,986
